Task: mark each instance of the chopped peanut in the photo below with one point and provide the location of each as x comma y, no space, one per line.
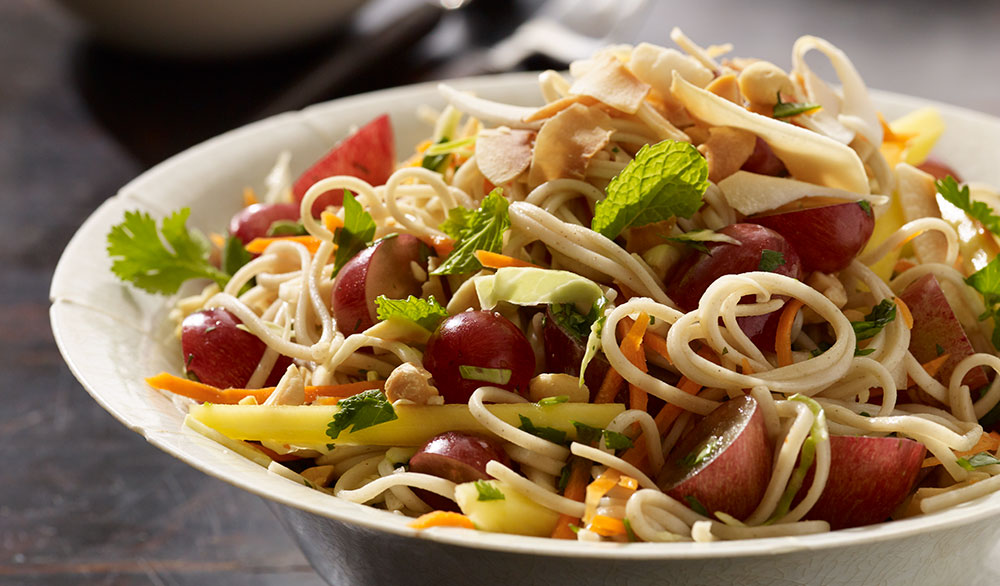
411,383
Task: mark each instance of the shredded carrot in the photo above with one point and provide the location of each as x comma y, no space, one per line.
274,455
609,387
218,240
553,108
576,489
904,312
606,526
628,482
747,369
657,344
627,293
632,349
249,197
903,265
259,245
331,221
442,519
493,260
423,146
783,338
208,394
931,366
596,490
442,245
988,442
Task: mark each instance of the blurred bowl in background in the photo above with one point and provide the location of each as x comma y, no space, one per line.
211,28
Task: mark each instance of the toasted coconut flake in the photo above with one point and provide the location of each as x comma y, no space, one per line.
611,83
752,193
502,153
682,40
552,108
854,108
725,86
567,142
656,66
808,156
726,150
762,81
918,199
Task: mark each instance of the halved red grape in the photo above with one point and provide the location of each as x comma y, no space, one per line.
220,354
478,348
255,221
826,237
458,456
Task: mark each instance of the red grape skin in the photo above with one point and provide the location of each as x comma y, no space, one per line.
255,220
220,354
458,456
483,339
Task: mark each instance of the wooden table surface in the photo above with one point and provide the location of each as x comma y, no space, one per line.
85,501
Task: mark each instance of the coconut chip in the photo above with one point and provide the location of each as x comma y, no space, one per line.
566,143
502,153
611,83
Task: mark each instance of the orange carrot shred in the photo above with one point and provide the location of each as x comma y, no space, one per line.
493,260
331,221
609,387
442,245
931,367
218,240
576,489
657,344
632,349
606,526
902,265
259,245
783,338
904,312
208,394
442,519
249,197
988,442
747,369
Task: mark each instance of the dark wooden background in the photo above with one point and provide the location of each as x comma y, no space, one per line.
85,501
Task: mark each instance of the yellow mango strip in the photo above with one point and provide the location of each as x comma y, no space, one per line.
414,425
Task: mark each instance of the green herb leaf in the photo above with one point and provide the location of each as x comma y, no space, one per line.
564,477
556,436
489,491
628,530
570,320
356,233
696,239
703,452
286,228
234,255
770,260
497,376
360,411
863,351
589,435
616,441
960,198
547,401
426,313
696,505
159,260
978,461
788,109
435,161
881,315
987,281
664,180
480,229
866,206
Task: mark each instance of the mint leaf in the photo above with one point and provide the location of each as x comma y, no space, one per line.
356,233
664,180
159,260
788,109
987,281
977,461
960,198
481,229
770,260
426,313
360,411
556,436
488,491
880,316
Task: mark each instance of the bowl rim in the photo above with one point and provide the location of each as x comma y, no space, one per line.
296,496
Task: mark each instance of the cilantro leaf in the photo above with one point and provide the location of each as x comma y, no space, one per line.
589,435
488,491
880,316
960,198
696,505
286,228
480,229
616,441
987,281
360,411
234,255
159,260
356,233
570,320
664,180
696,239
770,260
497,376
556,436
789,109
866,206
426,313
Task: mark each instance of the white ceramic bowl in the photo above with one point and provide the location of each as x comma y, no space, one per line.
113,336
211,28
